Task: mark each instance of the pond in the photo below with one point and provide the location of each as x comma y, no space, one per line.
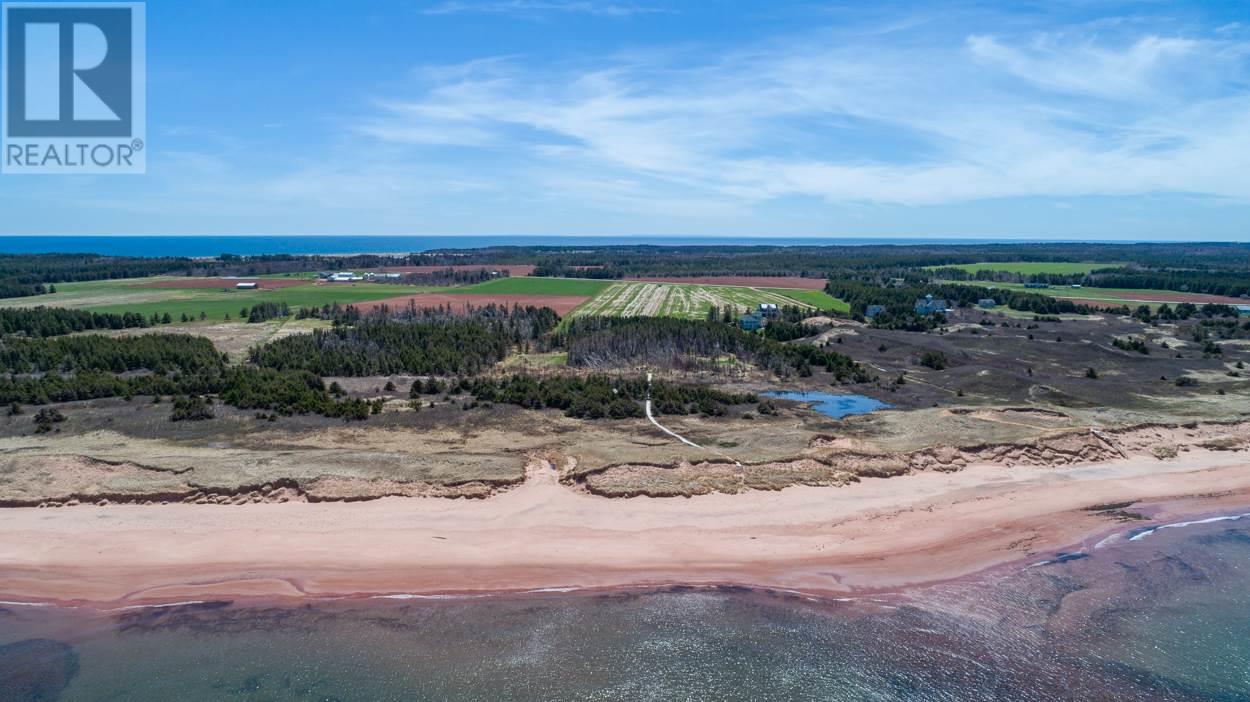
831,405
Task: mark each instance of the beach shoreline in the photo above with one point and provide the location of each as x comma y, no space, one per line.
876,536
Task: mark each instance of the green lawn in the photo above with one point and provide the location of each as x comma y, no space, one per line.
1031,267
572,287
126,296
816,298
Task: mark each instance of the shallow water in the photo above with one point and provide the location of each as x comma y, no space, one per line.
1162,618
832,405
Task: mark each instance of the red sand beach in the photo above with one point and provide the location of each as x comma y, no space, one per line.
876,535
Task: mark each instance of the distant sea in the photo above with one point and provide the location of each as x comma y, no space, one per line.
1162,618
204,246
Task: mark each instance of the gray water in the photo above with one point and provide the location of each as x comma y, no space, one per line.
1164,618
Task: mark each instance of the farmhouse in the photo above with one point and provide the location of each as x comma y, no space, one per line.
1243,309
873,310
751,322
344,277
768,309
246,286
928,305
987,303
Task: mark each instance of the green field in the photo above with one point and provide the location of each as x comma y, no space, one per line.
610,298
1031,267
1112,296
572,287
126,296
819,299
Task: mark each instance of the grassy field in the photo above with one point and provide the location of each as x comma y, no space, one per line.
819,299
628,299
1031,267
127,296
573,287
1111,296
612,298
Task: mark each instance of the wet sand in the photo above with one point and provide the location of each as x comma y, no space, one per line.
877,535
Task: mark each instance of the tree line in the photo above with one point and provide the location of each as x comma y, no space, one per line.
23,275
612,342
898,303
57,321
381,345
448,277
602,397
1228,283
158,353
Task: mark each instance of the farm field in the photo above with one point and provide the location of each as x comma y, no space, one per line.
447,298
138,295
1031,267
576,287
1116,296
217,298
816,298
780,282
514,270
221,284
636,299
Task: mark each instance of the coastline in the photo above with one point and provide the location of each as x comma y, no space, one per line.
877,536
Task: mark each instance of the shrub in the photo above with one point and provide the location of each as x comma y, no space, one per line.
933,359
192,409
46,418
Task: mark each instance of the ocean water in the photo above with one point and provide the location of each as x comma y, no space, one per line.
203,246
833,405
1164,618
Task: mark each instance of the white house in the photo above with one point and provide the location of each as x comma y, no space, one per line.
246,286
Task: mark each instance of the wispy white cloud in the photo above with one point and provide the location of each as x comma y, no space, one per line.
532,7
815,128
1062,113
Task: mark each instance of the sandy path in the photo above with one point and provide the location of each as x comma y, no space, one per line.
881,533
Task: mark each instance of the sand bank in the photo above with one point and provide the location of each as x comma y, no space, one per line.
878,534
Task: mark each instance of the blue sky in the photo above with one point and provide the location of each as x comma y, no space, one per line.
1068,119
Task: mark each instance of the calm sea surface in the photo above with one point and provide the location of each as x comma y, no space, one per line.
201,246
1163,618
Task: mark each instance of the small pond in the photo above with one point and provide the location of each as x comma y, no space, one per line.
831,405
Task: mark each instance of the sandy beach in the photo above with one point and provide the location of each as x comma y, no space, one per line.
876,535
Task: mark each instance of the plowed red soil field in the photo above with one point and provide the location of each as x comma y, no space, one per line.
513,270
744,281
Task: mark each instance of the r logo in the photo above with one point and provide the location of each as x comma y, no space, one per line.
72,80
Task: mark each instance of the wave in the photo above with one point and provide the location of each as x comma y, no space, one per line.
186,603
1179,525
